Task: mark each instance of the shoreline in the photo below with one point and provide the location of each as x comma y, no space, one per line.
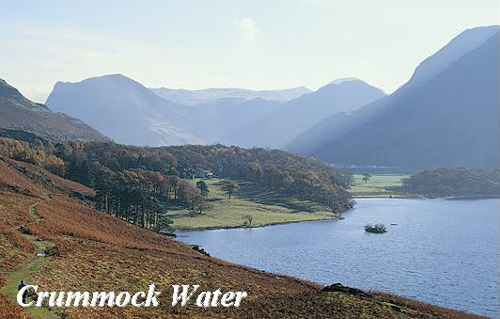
387,195
339,217
185,230
471,197
387,290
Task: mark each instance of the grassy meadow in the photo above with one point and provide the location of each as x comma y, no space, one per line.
376,186
269,207
266,208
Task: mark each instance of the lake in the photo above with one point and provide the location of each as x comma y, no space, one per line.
445,252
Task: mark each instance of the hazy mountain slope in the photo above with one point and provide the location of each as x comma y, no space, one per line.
449,119
334,126
465,42
193,97
216,119
17,112
124,110
298,115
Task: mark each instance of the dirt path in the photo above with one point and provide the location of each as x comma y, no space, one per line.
26,270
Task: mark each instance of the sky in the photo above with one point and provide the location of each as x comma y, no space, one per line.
255,44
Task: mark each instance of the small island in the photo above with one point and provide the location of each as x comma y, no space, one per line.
377,229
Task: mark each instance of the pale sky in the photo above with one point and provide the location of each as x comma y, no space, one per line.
256,44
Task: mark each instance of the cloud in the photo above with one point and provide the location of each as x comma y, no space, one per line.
71,54
249,33
55,54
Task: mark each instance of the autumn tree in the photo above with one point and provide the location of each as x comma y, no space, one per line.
230,187
138,183
201,204
187,194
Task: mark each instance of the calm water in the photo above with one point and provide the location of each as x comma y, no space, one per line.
443,252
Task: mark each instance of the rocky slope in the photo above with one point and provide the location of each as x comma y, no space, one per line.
17,112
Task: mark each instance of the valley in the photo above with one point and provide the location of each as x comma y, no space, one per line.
153,179
99,252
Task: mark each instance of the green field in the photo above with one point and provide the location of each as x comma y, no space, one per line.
266,208
269,207
376,186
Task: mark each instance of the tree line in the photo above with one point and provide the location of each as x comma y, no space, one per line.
454,181
140,183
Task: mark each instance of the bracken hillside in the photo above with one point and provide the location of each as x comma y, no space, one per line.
94,251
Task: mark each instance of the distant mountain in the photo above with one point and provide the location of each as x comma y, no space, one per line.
19,113
300,114
446,115
193,97
220,117
125,110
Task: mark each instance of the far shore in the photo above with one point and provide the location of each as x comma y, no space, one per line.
355,196
386,195
188,229
472,197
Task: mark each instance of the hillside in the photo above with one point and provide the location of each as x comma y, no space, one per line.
17,112
194,97
300,114
458,182
153,187
125,110
93,251
446,115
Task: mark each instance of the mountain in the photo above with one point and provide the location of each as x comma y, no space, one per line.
130,113
218,118
19,113
193,97
298,115
446,56
125,110
446,115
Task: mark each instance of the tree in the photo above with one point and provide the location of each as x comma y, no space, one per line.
347,179
249,219
366,177
203,188
171,184
201,204
135,183
187,194
230,187
162,222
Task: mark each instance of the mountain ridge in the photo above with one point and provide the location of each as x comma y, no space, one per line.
194,97
299,114
18,112
348,139
125,110
130,113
